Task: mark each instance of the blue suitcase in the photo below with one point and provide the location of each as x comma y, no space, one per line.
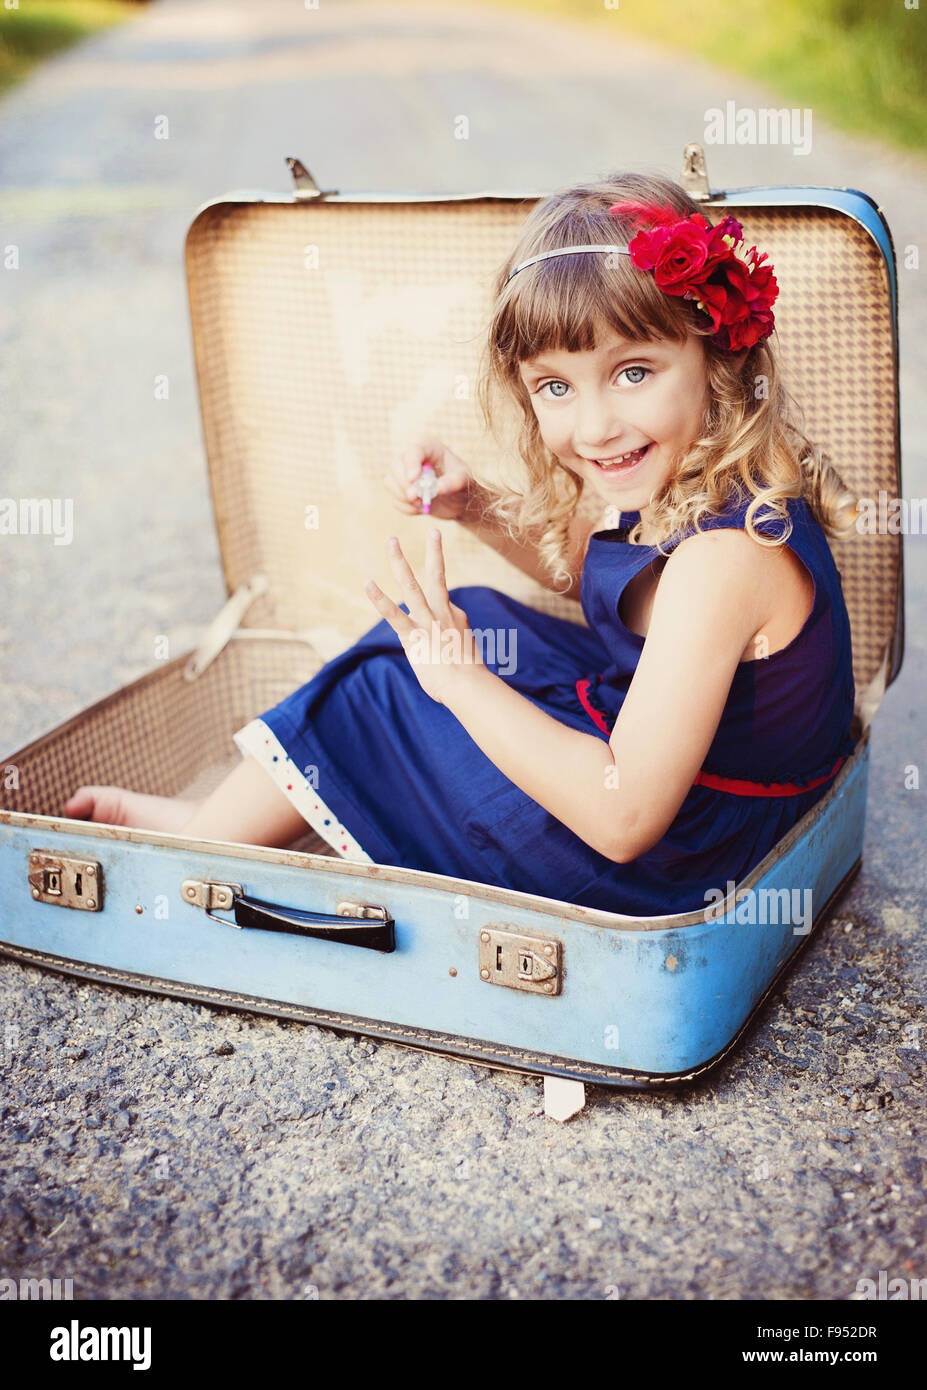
316,317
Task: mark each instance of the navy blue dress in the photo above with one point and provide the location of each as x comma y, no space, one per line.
404,779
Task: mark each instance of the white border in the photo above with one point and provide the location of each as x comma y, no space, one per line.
259,741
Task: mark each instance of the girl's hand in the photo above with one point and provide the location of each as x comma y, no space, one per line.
435,633
455,482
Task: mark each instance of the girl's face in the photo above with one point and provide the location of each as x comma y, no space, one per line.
646,400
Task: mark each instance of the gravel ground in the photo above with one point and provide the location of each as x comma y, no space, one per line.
154,1149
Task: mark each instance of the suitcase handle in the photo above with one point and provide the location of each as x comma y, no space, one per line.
372,927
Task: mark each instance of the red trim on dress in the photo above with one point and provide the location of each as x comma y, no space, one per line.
742,788
581,687
739,786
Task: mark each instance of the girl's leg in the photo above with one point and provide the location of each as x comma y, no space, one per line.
135,810
247,808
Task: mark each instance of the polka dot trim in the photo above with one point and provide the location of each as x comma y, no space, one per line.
259,741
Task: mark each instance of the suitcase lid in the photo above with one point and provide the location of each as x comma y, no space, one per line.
331,329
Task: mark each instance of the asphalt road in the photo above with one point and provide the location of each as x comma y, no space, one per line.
153,1148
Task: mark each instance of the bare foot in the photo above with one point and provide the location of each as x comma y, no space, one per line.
137,810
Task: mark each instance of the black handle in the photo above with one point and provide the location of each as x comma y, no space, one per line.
377,933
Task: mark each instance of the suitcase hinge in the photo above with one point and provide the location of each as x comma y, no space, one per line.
530,963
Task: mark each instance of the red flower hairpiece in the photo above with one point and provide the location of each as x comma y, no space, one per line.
711,265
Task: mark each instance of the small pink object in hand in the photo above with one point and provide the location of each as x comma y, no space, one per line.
426,486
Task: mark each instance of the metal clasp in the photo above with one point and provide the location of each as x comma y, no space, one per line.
66,882
530,963
694,175
304,185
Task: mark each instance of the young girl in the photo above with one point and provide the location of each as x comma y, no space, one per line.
639,763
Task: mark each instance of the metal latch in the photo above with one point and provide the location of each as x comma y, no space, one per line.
304,185
694,175
200,893
530,963
66,882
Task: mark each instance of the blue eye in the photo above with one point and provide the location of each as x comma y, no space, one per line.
645,370
558,395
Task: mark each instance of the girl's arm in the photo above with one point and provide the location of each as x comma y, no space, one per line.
715,594
622,797
525,556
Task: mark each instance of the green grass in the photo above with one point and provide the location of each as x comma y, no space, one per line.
38,28
859,64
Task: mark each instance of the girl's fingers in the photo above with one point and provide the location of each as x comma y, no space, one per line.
412,592
435,580
425,451
408,508
404,499
398,490
400,622
412,460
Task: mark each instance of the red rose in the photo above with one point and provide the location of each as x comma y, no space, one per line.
735,317
645,247
748,331
752,289
755,282
691,258
743,324
714,298
676,255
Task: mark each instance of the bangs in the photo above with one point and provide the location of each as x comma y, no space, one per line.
562,303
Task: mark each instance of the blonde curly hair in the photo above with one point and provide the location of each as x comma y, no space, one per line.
750,442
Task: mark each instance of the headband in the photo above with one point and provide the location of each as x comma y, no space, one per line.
693,260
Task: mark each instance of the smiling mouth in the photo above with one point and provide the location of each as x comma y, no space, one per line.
622,463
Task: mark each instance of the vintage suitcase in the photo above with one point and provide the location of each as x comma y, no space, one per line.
329,328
